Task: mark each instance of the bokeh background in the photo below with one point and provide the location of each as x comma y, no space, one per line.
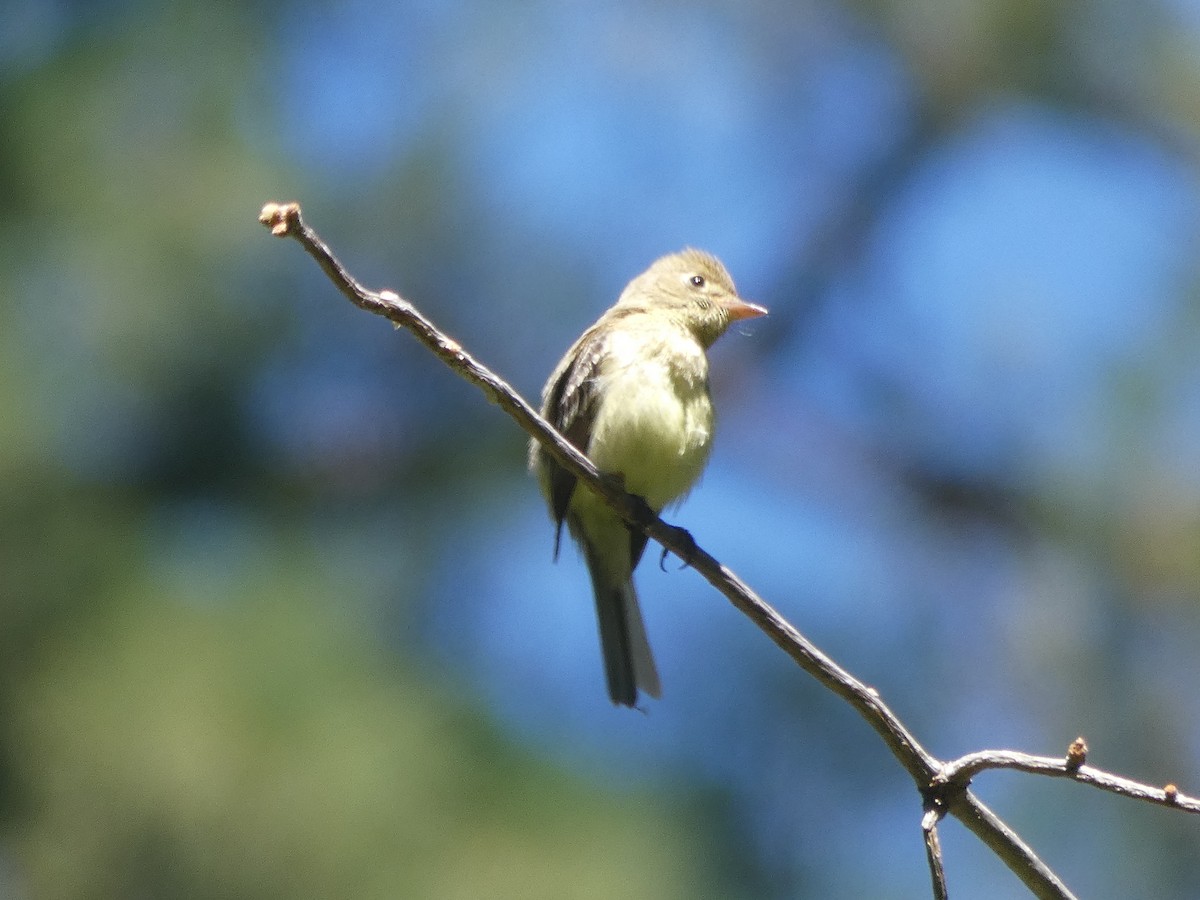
278,616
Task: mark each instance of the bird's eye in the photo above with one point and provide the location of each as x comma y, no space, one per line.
698,280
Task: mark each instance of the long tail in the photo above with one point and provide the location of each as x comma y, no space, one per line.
628,661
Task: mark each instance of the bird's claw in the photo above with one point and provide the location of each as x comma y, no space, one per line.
684,537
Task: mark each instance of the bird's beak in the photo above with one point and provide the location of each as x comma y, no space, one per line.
739,309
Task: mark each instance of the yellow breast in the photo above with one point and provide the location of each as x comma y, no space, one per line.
654,424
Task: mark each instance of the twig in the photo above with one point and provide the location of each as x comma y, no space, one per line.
960,772
933,850
944,786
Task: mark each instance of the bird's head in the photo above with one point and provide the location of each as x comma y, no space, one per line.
696,289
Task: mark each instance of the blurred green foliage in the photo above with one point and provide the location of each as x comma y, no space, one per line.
167,748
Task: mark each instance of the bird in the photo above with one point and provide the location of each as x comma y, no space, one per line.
632,394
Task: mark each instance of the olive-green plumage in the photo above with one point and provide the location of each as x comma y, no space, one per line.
632,394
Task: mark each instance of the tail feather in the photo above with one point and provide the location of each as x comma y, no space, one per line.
628,661
645,672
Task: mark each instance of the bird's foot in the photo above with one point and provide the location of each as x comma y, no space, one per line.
683,536
642,513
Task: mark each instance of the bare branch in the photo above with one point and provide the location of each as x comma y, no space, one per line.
1009,847
960,771
284,220
933,851
944,786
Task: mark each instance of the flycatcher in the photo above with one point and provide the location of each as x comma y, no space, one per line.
632,394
